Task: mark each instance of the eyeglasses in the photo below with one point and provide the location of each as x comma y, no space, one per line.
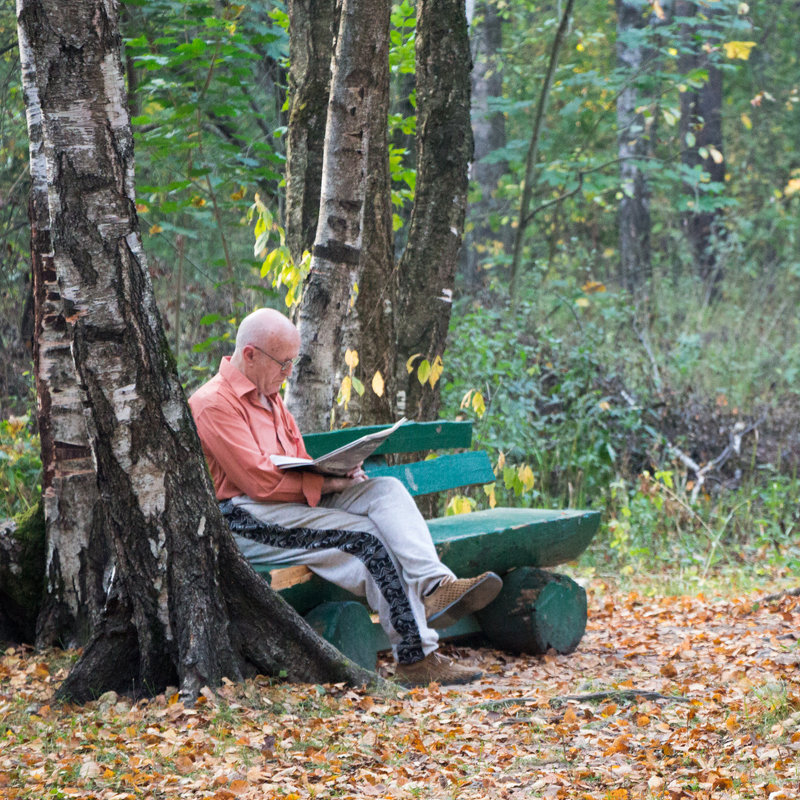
284,365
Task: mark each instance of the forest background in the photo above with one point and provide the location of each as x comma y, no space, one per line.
631,346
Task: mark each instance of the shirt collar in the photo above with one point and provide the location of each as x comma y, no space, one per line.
236,379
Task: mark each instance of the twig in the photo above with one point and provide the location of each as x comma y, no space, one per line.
617,694
771,598
733,446
613,694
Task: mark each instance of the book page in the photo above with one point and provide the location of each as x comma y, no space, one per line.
343,459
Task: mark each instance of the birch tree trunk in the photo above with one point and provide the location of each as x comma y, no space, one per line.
633,143
184,606
311,27
701,116
329,293
444,149
74,516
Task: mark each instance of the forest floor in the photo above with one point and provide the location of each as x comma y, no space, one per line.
666,697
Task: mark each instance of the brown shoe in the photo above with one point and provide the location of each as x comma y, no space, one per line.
435,668
449,602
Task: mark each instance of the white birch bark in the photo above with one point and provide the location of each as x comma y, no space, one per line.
329,290
73,592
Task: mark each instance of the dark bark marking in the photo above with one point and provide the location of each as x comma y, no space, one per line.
338,253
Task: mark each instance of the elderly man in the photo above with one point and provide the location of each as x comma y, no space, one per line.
365,535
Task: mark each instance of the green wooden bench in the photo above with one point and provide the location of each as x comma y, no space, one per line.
536,609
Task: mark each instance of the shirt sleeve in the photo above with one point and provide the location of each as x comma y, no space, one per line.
234,455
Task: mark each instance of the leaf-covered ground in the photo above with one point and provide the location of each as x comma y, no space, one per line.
669,698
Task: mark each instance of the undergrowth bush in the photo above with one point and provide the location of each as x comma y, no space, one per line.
546,401
20,467
570,384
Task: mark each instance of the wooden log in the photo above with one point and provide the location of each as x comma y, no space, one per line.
349,628
536,610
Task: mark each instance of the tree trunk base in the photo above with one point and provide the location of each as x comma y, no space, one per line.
265,636
536,611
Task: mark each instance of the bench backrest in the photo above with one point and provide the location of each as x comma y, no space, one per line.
449,471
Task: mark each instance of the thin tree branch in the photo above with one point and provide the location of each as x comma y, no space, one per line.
533,148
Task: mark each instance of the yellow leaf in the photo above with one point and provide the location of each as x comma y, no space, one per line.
198,202
351,358
489,489
501,461
478,404
591,287
715,154
423,371
378,383
746,121
238,195
466,398
570,717
345,390
155,229
525,474
142,208
410,362
738,49
604,405
460,504
583,302
792,187
657,10
437,368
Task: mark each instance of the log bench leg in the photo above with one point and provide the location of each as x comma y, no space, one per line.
536,610
349,628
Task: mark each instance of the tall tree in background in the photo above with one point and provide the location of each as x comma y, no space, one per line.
634,145
701,135
183,606
444,150
489,132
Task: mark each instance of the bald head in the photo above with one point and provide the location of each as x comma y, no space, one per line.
266,345
266,328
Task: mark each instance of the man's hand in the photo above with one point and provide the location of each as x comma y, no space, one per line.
330,484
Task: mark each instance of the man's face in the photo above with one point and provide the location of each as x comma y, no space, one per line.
269,365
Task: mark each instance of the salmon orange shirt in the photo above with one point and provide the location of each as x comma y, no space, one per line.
239,432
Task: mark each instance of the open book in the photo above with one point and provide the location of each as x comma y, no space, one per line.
344,458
